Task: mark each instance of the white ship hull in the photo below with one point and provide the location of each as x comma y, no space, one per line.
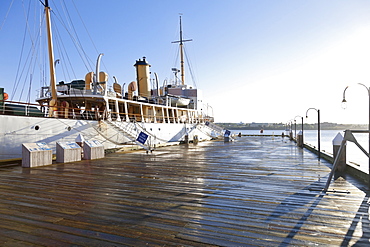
16,130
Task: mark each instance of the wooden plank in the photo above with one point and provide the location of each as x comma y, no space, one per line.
251,192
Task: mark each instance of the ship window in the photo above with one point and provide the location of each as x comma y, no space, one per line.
69,128
37,127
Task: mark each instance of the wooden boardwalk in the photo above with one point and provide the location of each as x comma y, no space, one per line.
256,191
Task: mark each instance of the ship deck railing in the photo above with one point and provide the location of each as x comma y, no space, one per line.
35,110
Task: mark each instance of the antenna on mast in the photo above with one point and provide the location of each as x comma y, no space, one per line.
181,41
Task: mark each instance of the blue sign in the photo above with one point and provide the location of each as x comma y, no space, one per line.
207,123
142,137
227,132
43,146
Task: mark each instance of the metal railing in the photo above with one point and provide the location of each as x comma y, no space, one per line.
35,110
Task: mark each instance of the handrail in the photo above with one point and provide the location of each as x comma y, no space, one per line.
75,112
16,102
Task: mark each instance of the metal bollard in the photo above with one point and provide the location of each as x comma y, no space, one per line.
195,139
186,140
300,139
291,135
80,142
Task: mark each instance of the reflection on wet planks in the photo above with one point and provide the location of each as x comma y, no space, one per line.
255,191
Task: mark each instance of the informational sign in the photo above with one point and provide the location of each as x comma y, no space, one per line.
142,137
93,149
227,132
68,145
38,146
68,152
36,154
207,123
93,143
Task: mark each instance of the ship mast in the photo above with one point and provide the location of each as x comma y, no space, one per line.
181,41
53,101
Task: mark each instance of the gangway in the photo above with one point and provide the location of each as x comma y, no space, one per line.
131,131
217,129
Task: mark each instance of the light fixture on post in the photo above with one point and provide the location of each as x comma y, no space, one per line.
318,129
290,129
295,130
302,124
344,101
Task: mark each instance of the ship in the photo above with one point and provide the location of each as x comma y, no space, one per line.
88,109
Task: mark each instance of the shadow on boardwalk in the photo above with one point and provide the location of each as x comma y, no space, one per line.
305,198
362,218
308,199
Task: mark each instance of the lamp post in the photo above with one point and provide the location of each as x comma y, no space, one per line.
290,124
344,106
301,119
302,124
318,128
295,129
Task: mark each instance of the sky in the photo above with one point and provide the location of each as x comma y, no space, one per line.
255,61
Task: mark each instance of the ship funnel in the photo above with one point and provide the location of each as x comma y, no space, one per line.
143,77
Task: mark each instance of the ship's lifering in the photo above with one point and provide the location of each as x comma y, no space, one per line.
52,108
6,96
65,105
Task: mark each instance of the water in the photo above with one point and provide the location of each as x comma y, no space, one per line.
354,154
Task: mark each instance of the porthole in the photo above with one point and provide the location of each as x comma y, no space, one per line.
69,128
37,127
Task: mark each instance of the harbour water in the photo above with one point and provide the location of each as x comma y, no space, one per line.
354,154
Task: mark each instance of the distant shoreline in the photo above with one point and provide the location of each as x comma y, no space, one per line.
280,126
